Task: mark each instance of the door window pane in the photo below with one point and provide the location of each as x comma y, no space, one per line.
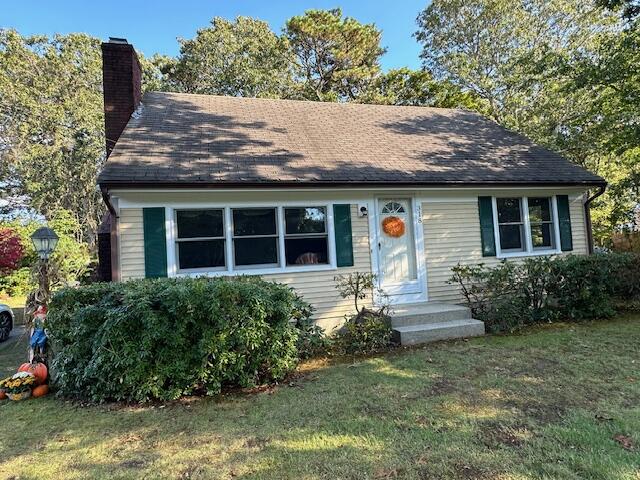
201,254
305,220
200,223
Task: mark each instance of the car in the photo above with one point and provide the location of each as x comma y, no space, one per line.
6,321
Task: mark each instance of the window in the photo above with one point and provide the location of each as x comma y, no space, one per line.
305,239
526,225
541,223
255,237
200,239
510,224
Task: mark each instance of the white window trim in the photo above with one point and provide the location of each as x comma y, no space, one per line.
171,229
529,250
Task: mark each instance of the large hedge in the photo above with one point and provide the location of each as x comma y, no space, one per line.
538,289
161,339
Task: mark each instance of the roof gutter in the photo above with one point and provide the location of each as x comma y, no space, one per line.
347,184
587,216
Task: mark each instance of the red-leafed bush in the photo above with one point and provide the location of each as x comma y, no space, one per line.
11,250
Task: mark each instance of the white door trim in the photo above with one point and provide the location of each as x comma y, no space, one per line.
421,294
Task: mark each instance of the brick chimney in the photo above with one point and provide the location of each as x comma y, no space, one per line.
121,80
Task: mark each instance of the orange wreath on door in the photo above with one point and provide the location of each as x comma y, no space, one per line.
393,226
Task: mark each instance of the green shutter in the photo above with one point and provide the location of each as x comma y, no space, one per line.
564,219
155,242
487,236
342,230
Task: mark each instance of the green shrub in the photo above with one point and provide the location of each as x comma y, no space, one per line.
312,341
161,339
513,294
368,331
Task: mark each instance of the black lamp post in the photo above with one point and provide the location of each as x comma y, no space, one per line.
44,241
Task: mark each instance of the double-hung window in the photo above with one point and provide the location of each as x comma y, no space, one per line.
526,224
305,236
241,239
255,237
200,239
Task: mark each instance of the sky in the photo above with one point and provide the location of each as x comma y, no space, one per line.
153,26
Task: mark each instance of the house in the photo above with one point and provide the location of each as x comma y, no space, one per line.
299,192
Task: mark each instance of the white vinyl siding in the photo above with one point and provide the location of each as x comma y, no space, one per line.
131,243
317,287
452,236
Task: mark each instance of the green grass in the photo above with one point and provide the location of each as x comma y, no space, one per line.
544,404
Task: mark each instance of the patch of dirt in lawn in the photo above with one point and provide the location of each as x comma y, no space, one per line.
495,434
470,472
442,386
136,464
256,442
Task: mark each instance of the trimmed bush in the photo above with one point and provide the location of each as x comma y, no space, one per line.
368,331
161,339
517,293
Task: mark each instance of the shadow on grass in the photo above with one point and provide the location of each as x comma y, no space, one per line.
519,405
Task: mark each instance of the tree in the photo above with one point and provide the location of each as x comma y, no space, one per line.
238,58
336,58
404,86
51,123
562,72
11,250
488,46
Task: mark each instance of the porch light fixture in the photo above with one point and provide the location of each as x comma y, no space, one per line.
44,241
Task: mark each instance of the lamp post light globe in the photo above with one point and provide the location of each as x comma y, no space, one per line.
44,241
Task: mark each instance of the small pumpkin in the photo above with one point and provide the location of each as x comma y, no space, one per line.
3,395
37,369
40,391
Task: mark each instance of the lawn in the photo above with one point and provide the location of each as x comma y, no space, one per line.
560,401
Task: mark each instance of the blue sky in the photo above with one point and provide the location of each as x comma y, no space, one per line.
153,26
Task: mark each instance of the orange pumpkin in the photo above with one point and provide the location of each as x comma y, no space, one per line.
37,369
393,226
40,391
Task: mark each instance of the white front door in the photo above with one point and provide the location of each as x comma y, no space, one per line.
397,270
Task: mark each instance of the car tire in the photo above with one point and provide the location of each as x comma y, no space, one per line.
5,326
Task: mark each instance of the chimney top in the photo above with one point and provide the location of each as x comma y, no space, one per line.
122,41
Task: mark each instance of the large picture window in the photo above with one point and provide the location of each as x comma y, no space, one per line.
200,239
305,239
526,224
255,237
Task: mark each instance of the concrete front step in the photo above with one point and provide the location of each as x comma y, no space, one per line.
431,332
427,312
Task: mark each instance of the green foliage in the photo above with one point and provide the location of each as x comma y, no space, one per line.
52,123
368,331
356,285
164,338
404,86
513,294
237,58
336,58
70,259
561,72
312,341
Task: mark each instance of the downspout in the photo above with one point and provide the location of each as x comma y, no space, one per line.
587,216
115,261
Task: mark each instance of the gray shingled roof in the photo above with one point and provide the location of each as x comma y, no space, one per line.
180,140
